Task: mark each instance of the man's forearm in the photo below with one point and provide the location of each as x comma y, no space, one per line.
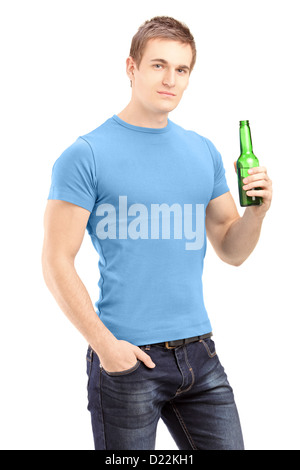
73,298
241,238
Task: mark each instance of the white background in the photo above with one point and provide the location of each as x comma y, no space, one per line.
63,74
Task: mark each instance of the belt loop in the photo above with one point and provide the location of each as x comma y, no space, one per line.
90,353
146,347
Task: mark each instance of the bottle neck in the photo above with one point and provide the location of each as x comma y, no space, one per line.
245,139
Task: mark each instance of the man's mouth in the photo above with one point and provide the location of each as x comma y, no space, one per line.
166,93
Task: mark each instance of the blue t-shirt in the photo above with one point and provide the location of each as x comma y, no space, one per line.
147,191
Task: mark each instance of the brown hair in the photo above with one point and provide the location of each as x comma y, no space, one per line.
162,27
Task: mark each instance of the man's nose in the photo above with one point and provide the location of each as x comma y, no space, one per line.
169,78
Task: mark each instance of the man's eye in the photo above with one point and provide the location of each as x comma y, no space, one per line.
157,65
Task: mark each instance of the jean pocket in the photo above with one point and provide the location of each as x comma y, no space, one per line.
209,346
124,372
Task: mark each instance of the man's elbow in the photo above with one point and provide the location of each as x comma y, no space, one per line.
234,261
238,263
47,268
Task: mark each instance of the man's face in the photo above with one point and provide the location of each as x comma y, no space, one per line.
163,75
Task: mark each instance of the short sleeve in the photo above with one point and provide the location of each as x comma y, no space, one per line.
74,176
220,182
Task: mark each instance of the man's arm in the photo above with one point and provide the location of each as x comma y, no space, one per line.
64,228
234,237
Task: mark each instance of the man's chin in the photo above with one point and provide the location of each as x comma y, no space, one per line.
167,109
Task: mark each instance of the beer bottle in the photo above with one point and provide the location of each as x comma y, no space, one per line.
246,161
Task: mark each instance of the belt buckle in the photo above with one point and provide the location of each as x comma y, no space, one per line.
168,346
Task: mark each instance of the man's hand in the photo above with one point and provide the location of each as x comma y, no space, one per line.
258,178
122,356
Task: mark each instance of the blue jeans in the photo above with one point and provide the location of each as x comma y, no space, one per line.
188,389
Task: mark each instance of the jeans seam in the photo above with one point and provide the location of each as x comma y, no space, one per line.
190,369
100,409
179,391
183,426
210,354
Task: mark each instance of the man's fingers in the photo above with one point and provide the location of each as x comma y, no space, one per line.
145,358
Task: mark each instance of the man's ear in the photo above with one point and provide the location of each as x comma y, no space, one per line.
130,68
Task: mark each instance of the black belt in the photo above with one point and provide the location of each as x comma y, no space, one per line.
181,342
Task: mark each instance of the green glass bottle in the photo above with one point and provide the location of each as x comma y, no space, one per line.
246,161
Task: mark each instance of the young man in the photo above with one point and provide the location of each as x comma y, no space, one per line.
148,191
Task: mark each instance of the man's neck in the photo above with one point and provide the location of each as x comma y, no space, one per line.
141,118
